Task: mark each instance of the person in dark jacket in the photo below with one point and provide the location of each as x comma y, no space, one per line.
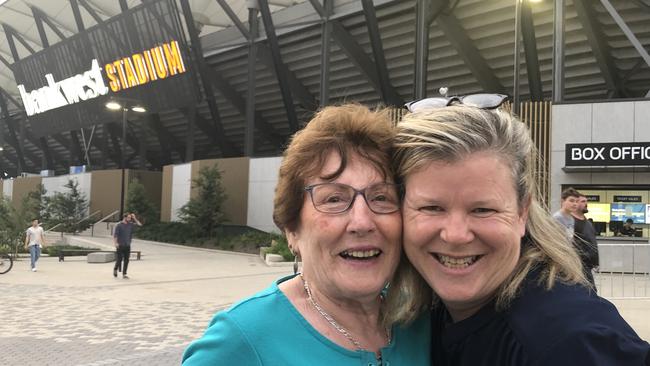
585,240
627,229
122,236
506,284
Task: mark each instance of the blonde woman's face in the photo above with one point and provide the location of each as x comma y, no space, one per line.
463,228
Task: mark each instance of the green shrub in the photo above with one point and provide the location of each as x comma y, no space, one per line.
281,247
234,238
71,250
248,242
165,232
13,223
204,213
138,203
69,209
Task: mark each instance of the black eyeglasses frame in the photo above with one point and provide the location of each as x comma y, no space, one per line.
491,101
357,192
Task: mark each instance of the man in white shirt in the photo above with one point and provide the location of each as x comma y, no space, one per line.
34,240
570,198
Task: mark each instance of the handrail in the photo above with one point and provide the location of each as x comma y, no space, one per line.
53,227
107,216
89,216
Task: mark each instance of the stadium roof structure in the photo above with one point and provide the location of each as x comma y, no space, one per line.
370,52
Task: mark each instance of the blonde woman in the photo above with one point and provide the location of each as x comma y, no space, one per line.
506,285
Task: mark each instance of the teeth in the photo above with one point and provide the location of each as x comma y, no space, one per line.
361,253
456,262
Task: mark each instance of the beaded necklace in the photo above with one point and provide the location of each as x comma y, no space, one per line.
334,323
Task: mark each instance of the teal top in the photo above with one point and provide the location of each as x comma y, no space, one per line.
266,329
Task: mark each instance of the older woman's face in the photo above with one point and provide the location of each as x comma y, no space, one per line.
350,254
462,229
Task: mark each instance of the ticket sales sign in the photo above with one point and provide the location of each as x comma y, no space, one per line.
608,154
140,56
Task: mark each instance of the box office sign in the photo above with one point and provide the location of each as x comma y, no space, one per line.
608,154
139,56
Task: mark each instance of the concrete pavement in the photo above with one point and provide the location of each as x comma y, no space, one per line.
76,313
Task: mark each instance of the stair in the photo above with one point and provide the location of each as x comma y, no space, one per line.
54,238
100,229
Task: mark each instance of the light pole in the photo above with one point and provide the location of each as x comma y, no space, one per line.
124,106
515,77
515,81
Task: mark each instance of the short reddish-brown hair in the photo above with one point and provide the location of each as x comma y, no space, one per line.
347,129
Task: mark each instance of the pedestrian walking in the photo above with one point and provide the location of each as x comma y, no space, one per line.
585,240
122,240
34,241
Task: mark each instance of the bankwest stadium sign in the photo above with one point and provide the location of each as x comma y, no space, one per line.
138,69
140,55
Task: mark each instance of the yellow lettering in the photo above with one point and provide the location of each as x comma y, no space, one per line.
159,62
150,67
156,63
113,83
120,73
140,68
174,59
130,73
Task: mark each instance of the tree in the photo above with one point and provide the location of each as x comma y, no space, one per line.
138,203
34,205
69,208
13,223
204,212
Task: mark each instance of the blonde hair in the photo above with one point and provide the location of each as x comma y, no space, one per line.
346,129
451,134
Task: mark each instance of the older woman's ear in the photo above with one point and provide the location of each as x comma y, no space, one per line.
292,242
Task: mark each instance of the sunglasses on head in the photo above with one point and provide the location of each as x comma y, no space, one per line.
482,100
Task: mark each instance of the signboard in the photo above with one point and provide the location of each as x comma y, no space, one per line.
599,212
619,198
593,198
608,154
624,211
138,56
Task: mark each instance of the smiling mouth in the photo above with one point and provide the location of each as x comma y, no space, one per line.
361,255
456,263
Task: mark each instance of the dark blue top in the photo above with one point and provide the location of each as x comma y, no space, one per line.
123,233
568,325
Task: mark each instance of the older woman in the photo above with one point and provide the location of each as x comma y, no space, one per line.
339,208
507,286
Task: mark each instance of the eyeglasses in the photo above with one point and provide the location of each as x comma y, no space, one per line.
483,101
334,198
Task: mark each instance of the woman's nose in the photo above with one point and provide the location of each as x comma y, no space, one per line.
456,229
362,219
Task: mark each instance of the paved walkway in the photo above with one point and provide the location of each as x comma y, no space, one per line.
76,313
